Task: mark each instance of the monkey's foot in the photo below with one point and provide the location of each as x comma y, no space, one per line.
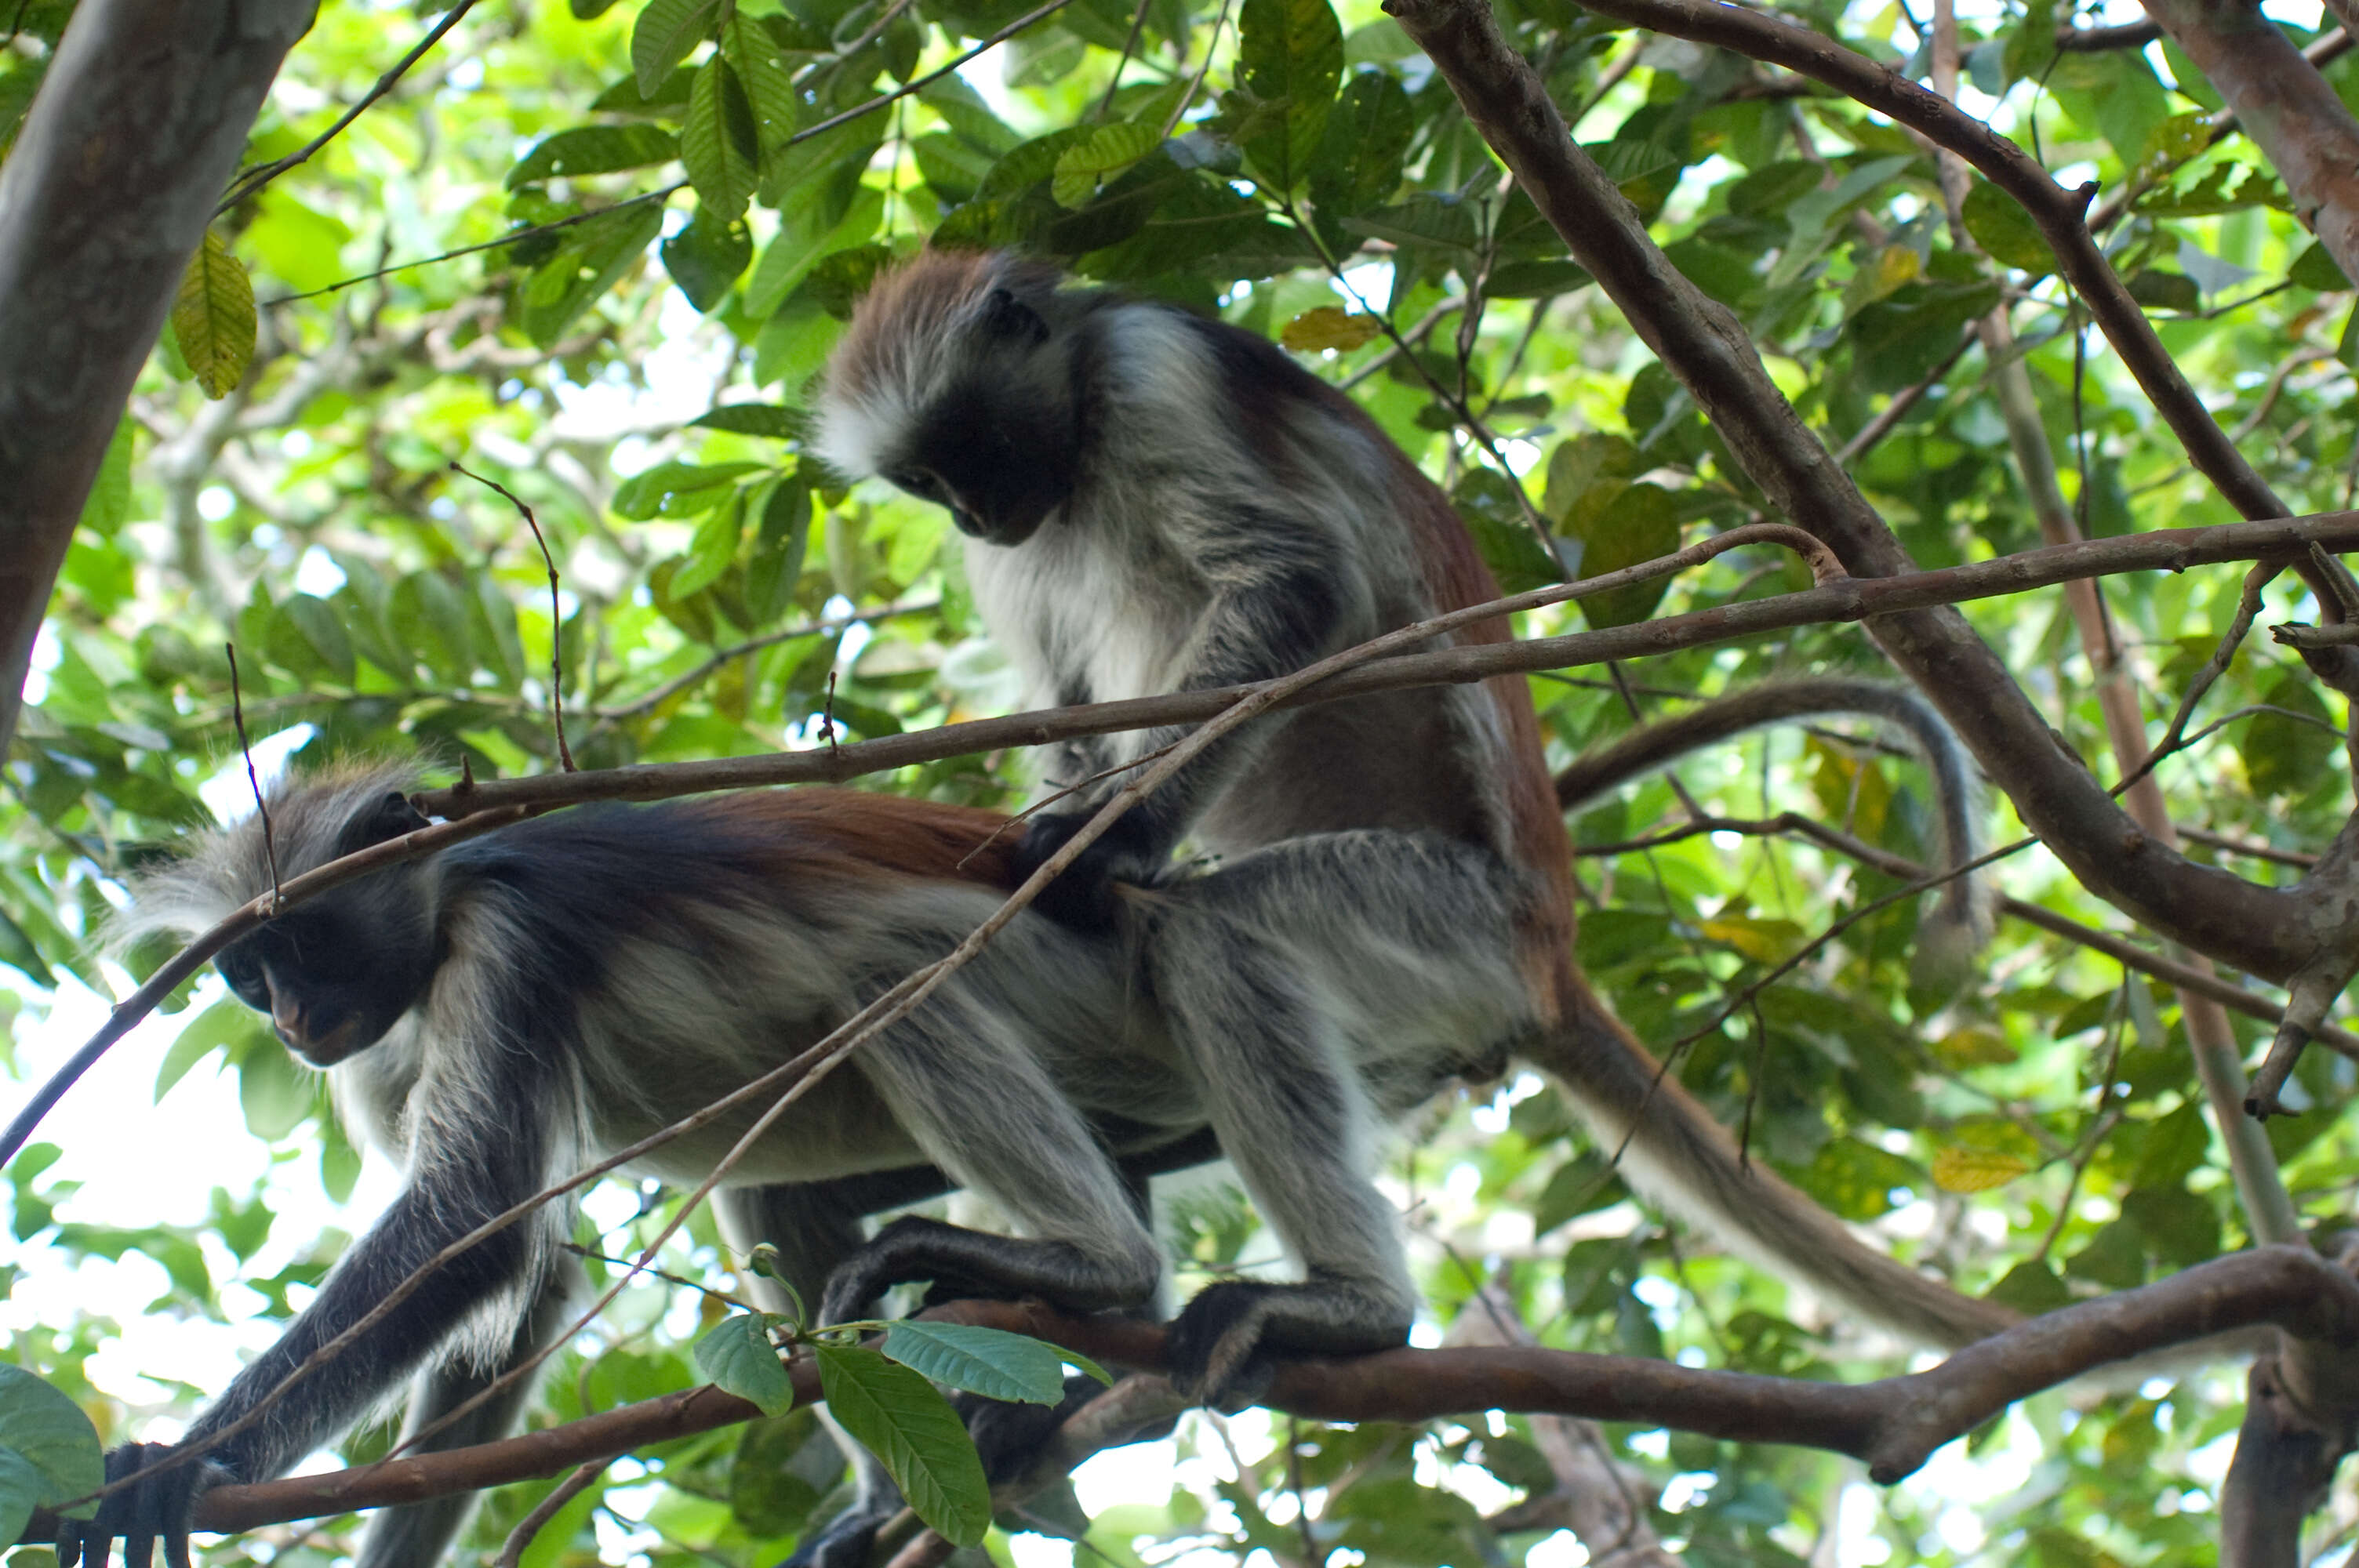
157,1508
1220,1347
1083,897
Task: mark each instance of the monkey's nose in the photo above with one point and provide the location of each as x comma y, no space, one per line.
967,523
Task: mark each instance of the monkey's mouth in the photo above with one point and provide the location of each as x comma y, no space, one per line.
327,1050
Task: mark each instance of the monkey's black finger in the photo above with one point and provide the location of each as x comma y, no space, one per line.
138,1551
176,1549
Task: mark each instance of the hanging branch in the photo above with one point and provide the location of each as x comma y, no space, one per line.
555,616
252,781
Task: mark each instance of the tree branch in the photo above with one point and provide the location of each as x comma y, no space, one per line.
1708,350
1892,1424
2057,211
2283,105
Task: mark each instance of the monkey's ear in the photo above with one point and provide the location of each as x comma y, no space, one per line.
389,816
1005,316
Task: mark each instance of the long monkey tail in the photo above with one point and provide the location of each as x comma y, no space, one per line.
1963,919
1672,1150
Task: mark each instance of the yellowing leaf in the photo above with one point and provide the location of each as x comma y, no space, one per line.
1109,150
1895,265
1763,941
1327,327
1976,1046
1976,1170
213,317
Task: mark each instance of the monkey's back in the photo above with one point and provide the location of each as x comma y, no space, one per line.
670,954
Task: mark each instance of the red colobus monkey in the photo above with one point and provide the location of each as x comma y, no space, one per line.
1157,502
510,1008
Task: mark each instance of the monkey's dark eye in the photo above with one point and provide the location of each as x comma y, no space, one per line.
917,482
243,970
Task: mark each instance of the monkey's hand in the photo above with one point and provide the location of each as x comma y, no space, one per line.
1082,896
1221,1348
159,1506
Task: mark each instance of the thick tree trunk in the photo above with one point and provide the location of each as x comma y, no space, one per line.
138,126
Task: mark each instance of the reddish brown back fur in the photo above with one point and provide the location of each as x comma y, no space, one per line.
846,833
1458,578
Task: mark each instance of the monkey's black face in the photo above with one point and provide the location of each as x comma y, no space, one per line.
1001,467
1001,450
334,974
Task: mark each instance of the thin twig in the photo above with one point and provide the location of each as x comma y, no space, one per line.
882,100
581,1480
253,781
1129,47
641,704
1196,82
556,617
254,179
2248,605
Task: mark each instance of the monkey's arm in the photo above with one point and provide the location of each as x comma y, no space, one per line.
1281,598
469,1167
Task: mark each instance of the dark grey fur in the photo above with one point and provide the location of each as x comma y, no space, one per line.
591,976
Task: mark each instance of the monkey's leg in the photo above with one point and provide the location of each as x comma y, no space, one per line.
963,1079
419,1533
1304,982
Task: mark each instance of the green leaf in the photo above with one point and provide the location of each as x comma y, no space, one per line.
666,32
228,1024
706,257
794,253
1620,524
592,258
594,149
2031,1289
739,1359
2315,268
1486,500
1105,153
322,630
2001,226
17,951
212,317
109,501
2283,755
2179,1227
275,1095
1899,339
986,1361
21,1485
1290,58
1364,145
44,1433
785,509
718,144
760,65
774,420
896,1416
677,490
429,616
2114,1256
710,553
1856,1179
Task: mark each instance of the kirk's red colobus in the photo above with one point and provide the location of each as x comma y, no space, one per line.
1157,502
507,1010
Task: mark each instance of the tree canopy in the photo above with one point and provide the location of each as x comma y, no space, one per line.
485,390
